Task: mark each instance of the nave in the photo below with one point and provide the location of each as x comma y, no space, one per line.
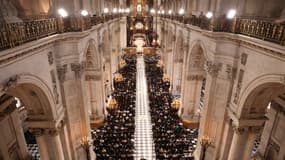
136,128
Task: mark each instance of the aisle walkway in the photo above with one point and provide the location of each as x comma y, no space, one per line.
144,146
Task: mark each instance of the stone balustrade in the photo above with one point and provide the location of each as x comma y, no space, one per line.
14,34
264,29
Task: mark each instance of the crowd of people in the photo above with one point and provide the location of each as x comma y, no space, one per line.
171,139
115,140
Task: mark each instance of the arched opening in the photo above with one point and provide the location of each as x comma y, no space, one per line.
261,115
194,83
93,81
30,122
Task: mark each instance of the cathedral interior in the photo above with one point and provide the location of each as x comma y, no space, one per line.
142,79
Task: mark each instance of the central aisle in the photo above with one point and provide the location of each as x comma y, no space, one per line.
144,146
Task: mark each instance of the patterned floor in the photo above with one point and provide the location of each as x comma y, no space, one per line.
144,146
34,151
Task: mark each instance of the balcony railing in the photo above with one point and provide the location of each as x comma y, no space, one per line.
14,34
264,29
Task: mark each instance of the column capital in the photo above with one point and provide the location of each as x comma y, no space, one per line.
61,71
37,131
195,77
77,68
52,131
239,129
213,68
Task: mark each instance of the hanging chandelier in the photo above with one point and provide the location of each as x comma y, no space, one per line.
165,78
122,63
176,103
159,64
112,103
118,77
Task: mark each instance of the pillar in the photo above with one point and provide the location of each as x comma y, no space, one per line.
54,144
242,142
41,142
238,143
65,142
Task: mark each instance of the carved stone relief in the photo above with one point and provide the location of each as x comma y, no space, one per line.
239,84
61,71
10,83
243,59
50,58
213,68
54,86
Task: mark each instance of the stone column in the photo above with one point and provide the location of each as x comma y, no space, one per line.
65,142
54,144
238,142
242,142
41,142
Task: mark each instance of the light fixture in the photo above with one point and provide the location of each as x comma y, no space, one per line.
231,14
120,10
84,13
106,10
152,11
162,12
159,12
62,12
127,10
209,15
169,11
115,10
181,11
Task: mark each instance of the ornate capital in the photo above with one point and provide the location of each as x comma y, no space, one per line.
231,72
61,71
239,129
92,77
52,131
195,77
213,68
77,68
50,58
11,83
255,129
37,131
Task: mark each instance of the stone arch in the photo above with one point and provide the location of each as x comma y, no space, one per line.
194,81
197,57
258,93
91,56
34,94
44,117
93,82
249,120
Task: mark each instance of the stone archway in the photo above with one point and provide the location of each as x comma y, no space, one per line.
251,117
194,82
44,118
93,82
